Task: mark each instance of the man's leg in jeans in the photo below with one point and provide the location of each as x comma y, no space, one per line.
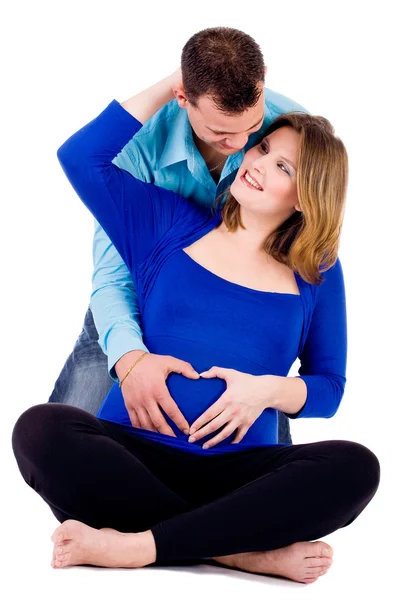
284,436
84,380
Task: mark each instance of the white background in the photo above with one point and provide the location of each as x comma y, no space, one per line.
61,65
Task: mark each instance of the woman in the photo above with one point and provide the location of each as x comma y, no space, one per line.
247,288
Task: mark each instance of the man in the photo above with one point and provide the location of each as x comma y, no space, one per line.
192,146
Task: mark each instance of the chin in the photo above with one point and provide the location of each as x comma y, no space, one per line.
234,189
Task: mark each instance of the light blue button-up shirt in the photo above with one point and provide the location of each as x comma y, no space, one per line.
162,152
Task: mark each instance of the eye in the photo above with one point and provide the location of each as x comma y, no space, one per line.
283,168
263,147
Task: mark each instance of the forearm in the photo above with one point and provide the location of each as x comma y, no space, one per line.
114,302
117,336
144,105
287,394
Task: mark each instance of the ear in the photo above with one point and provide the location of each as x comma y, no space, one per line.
265,70
297,207
180,95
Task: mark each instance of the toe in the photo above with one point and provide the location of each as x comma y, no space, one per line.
57,535
313,571
62,560
320,549
318,562
68,530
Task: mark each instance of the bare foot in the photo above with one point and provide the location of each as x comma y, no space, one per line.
303,562
79,544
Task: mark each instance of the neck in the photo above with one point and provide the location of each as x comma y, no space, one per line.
211,156
252,239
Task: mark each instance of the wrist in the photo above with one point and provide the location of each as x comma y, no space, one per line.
145,104
123,364
272,387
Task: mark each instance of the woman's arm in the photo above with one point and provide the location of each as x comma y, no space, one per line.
319,388
144,105
133,214
324,356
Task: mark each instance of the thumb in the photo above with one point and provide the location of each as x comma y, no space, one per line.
216,372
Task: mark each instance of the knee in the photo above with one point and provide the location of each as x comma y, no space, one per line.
26,428
360,468
35,429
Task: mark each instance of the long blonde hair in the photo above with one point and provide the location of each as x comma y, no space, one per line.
308,241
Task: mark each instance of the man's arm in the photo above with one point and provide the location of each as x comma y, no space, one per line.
114,301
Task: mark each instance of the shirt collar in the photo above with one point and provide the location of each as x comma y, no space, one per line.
179,144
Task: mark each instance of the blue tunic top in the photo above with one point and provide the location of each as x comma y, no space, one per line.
192,314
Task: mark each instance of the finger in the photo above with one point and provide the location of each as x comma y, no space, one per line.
216,372
158,420
215,424
144,419
171,409
133,417
240,434
212,412
230,428
184,368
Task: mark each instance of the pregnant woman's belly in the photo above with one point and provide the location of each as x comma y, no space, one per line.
194,397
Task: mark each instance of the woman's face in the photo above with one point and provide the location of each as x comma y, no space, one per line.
265,184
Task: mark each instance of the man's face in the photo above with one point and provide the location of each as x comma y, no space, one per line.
227,134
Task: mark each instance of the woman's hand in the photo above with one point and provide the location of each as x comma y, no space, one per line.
239,406
176,80
144,105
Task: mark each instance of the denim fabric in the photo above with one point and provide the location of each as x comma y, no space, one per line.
84,380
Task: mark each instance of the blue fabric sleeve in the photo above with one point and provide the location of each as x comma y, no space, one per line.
134,214
323,359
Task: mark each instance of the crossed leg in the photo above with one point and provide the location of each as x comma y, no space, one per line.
79,544
91,481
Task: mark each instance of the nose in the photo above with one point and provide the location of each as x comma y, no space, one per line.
259,164
238,141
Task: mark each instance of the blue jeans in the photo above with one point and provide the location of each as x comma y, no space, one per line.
84,380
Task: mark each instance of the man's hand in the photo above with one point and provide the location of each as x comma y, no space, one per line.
145,391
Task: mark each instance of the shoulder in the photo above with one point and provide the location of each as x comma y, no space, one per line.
332,284
147,146
278,104
160,124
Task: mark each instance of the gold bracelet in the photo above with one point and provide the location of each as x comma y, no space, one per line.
130,368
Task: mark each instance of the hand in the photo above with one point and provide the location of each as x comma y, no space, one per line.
145,391
176,79
239,406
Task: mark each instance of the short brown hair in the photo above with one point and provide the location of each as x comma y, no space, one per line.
308,241
225,64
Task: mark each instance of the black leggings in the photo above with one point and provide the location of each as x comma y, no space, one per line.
197,507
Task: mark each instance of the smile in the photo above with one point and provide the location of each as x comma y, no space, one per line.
250,182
